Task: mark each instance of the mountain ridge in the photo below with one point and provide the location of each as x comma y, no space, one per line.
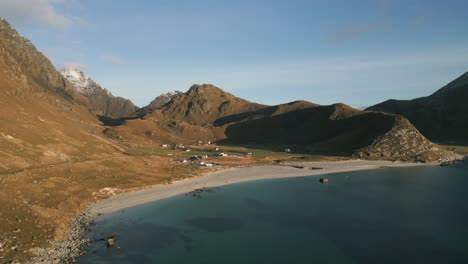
102,101
441,116
158,102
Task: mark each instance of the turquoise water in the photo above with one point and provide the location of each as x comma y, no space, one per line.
404,215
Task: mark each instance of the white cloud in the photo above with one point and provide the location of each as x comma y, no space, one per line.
111,59
45,12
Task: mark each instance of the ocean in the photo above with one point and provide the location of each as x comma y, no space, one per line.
389,215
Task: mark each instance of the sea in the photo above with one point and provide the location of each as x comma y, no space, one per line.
388,215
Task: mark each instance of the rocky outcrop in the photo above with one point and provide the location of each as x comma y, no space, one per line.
25,69
158,102
66,250
403,141
102,101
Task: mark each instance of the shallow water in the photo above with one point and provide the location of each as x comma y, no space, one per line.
391,215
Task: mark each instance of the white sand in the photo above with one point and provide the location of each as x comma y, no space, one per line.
234,175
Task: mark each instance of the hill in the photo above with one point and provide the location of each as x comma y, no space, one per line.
332,129
203,104
442,116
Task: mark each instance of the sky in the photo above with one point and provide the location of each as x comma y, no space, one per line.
268,51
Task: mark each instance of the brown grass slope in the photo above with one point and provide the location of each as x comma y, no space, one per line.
442,116
43,119
53,161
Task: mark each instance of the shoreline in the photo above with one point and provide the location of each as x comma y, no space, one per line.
72,247
121,201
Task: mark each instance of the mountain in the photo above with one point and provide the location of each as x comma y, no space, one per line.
102,101
332,129
205,112
203,104
442,116
187,117
44,120
158,102
52,153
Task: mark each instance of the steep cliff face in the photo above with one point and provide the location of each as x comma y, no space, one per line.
102,101
27,70
442,116
43,119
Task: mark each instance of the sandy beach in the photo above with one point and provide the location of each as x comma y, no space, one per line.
235,175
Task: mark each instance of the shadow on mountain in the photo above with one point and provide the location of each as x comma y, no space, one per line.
264,112
336,129
442,117
109,121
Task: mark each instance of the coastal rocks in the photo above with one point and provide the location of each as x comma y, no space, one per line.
405,142
315,168
68,249
197,192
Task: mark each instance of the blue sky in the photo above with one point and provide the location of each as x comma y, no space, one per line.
324,51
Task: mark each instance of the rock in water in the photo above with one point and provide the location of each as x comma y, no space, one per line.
110,242
323,180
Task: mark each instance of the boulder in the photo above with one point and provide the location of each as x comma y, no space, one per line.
323,180
110,242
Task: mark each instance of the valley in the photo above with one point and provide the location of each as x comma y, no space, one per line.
66,142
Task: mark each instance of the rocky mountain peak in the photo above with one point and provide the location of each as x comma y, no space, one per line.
27,66
102,101
204,89
203,104
83,83
158,102
164,98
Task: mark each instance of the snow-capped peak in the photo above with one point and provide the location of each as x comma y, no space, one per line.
80,80
166,97
173,93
